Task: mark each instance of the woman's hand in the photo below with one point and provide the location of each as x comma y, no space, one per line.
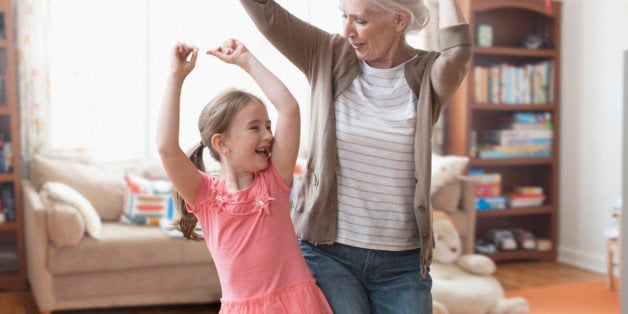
231,51
179,63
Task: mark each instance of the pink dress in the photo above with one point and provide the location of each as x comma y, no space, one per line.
251,239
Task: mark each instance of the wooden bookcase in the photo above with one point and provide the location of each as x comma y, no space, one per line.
511,22
12,252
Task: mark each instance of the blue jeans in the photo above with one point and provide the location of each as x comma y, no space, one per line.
362,281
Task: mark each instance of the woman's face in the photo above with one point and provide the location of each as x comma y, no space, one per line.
374,34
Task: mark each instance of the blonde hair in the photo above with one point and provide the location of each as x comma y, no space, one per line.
215,118
419,14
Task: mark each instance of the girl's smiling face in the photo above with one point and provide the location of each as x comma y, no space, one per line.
249,139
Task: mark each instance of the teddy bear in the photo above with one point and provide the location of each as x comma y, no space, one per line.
463,283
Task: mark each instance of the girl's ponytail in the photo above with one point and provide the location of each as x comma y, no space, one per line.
186,222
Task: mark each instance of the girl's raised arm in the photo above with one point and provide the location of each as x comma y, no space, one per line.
285,147
181,171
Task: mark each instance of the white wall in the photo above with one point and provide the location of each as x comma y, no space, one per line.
594,37
624,225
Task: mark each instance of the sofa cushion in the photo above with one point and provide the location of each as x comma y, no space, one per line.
64,193
66,226
122,246
189,283
447,197
104,190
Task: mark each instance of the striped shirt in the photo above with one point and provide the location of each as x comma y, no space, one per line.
375,126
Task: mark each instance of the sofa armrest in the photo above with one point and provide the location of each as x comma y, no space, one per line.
467,204
37,242
35,226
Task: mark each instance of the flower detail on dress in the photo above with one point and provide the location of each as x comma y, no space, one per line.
262,203
221,201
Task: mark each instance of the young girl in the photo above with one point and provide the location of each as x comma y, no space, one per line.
244,212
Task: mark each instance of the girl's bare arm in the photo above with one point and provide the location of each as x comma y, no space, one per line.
287,131
181,171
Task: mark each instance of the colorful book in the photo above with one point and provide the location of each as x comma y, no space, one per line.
488,184
493,154
528,190
525,200
490,203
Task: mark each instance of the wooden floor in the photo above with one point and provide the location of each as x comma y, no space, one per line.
513,276
519,275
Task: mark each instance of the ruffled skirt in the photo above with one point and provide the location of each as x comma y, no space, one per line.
302,298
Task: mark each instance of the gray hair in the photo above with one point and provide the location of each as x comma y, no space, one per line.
419,14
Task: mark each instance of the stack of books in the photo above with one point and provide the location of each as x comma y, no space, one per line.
7,203
521,135
509,84
488,190
526,196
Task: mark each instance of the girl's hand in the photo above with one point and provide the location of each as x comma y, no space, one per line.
179,62
231,51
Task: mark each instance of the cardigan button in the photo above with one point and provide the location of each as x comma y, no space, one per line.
421,208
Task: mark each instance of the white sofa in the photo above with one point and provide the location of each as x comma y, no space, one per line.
130,265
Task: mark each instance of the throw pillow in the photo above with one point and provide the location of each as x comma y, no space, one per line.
446,169
104,190
66,225
64,193
147,201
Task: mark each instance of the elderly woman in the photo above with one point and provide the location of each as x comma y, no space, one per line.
363,214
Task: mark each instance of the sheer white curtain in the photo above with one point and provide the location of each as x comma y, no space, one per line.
98,77
31,38
108,62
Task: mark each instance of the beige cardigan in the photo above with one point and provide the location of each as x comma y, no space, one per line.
330,65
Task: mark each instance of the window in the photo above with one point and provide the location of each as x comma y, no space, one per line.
109,60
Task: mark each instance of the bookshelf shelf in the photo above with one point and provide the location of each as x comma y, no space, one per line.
7,177
12,280
534,5
12,251
511,161
505,80
517,107
8,226
522,255
514,52
517,211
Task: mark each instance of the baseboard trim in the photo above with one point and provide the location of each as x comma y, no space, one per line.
584,260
